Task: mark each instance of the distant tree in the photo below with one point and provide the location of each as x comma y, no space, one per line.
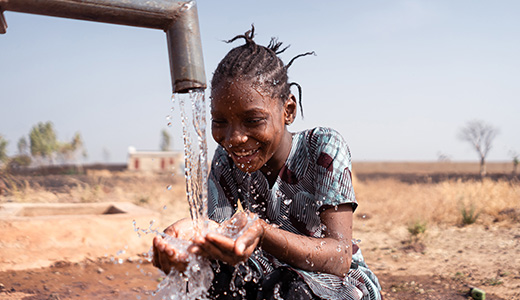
21,160
165,140
22,146
516,160
43,142
106,154
69,152
3,149
442,157
480,135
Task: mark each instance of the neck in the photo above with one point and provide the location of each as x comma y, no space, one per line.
275,164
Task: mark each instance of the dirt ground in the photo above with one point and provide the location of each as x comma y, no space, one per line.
131,280
444,264
450,262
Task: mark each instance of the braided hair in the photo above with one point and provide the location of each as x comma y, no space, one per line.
259,64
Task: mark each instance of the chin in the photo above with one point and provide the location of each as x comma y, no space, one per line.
247,167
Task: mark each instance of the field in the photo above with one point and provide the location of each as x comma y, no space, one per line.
428,230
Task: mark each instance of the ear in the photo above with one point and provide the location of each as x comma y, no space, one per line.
290,109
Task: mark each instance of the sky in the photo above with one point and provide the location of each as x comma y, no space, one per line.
398,79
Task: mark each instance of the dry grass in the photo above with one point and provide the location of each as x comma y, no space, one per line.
386,202
361,167
395,203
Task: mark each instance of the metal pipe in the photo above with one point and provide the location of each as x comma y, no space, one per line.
179,19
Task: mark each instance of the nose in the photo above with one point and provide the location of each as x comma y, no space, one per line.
236,136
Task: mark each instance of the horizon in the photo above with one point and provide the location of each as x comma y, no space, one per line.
398,80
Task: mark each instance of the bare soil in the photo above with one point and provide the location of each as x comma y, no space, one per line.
443,264
105,280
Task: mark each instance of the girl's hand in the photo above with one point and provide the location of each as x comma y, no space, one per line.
218,246
165,256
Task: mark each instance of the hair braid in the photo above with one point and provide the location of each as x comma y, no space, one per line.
259,64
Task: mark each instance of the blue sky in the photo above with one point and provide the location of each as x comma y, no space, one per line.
398,79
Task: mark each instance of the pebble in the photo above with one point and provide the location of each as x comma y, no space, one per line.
100,270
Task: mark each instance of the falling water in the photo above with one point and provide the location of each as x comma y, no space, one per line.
193,118
196,280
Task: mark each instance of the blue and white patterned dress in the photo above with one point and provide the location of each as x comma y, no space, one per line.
316,176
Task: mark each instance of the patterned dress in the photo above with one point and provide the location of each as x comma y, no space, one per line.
315,177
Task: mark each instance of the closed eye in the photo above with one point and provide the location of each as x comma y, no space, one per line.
218,121
253,122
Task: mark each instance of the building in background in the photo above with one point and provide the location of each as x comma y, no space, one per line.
155,161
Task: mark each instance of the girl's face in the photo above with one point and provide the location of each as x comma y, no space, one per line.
251,125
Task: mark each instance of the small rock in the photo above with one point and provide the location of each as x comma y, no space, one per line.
110,277
53,296
100,270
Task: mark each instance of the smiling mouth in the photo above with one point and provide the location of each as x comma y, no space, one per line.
245,154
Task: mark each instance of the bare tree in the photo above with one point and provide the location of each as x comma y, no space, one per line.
480,135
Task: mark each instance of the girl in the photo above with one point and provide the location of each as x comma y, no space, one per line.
298,184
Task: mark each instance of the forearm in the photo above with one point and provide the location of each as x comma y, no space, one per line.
331,255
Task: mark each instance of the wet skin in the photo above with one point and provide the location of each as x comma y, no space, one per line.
252,128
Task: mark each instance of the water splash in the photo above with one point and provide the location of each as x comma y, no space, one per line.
196,280
191,284
193,117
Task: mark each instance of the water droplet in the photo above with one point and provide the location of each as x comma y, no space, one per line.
164,207
169,187
169,124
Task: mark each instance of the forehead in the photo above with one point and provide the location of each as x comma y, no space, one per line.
240,93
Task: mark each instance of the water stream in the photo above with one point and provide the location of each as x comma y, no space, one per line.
196,280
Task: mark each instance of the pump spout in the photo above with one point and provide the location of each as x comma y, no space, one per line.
179,19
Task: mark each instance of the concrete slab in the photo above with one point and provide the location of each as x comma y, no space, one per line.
39,234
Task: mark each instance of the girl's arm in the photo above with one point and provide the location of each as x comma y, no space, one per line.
331,254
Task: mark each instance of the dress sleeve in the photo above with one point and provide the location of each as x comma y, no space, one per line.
222,194
333,169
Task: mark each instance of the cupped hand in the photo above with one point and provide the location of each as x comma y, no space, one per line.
165,255
218,246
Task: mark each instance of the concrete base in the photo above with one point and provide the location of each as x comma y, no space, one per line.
39,234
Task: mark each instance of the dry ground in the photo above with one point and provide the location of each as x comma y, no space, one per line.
440,261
